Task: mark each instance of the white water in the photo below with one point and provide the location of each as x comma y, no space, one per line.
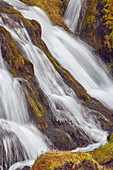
72,13
72,54
21,165
19,139
75,56
11,97
59,94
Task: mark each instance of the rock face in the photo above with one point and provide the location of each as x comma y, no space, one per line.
97,28
61,134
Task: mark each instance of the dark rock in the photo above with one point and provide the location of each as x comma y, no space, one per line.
26,168
11,150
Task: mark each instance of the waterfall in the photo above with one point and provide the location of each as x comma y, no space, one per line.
72,13
12,99
72,54
59,94
19,139
77,58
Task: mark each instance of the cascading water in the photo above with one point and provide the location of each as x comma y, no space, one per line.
72,54
17,135
59,94
72,13
75,56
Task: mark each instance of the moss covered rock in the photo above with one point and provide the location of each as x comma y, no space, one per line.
97,28
101,158
104,155
65,160
53,8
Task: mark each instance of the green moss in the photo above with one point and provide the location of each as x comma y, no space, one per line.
63,160
36,103
104,154
111,137
97,28
34,106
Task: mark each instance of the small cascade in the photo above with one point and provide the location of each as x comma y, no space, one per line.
72,13
62,99
19,142
11,97
19,139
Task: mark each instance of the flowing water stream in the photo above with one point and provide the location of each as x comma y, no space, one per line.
19,139
59,94
72,13
72,54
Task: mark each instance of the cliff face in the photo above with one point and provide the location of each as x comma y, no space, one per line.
97,28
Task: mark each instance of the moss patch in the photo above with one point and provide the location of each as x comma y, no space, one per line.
65,160
104,155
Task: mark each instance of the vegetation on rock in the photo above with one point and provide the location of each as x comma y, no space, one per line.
53,8
104,154
101,158
97,28
65,160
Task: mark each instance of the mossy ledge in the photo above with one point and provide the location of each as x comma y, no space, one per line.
104,154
